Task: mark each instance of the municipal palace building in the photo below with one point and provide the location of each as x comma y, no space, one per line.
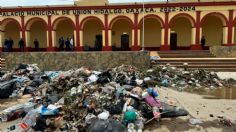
172,25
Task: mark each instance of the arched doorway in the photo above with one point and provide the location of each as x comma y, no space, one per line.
121,33
212,29
11,30
37,31
152,32
92,34
181,32
63,28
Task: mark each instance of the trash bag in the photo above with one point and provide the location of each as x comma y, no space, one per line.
167,111
106,126
7,88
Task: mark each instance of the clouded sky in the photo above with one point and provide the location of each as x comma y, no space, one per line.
55,2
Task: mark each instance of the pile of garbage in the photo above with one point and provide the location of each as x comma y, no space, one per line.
118,99
178,78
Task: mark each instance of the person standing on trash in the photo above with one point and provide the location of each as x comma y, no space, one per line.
67,43
36,44
203,42
11,43
61,44
153,102
21,45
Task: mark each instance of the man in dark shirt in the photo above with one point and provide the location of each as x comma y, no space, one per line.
67,44
203,42
11,43
6,45
61,44
36,44
21,45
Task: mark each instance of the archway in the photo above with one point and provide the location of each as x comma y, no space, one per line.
37,29
212,29
11,29
92,34
152,32
63,27
181,32
121,33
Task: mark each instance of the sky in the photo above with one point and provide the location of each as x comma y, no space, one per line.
55,2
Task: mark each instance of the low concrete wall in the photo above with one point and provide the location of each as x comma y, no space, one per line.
224,51
69,60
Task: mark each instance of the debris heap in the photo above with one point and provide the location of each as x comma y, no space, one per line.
118,99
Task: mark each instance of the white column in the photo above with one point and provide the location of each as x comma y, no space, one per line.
75,39
201,33
81,38
47,39
233,29
54,41
132,37
27,39
162,36
169,30
103,38
193,36
109,38
139,34
225,34
1,39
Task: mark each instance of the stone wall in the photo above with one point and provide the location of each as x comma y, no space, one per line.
223,51
69,60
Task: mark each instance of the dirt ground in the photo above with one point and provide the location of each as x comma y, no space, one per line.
198,107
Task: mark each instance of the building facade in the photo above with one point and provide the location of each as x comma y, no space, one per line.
167,26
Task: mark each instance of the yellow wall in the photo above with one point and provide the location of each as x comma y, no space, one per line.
91,29
12,30
90,2
64,29
38,30
183,28
152,33
212,30
118,29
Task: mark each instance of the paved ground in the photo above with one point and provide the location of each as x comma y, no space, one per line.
199,108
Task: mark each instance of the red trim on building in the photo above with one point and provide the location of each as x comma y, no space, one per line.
49,27
218,14
121,17
78,47
82,23
135,47
198,26
185,15
166,32
9,20
154,17
23,30
128,6
37,19
230,27
106,28
61,19
197,45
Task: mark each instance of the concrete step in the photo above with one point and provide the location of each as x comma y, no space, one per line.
198,63
217,69
206,66
186,54
215,64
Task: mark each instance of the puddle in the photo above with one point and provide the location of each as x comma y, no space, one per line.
220,93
